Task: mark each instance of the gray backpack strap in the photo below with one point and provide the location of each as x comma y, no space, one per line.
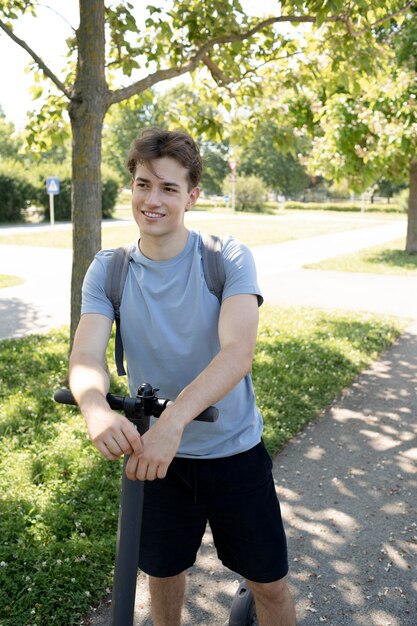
114,285
211,252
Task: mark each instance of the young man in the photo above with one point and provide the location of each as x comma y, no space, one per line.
179,338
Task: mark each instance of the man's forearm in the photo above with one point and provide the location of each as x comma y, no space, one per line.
89,382
222,374
238,324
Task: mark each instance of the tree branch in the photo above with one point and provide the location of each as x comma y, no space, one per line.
165,74
215,71
36,58
359,33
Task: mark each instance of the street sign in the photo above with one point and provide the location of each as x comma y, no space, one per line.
232,164
52,185
52,189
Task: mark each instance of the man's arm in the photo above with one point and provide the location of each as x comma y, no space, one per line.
111,433
238,326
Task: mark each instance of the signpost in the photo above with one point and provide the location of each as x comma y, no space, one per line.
233,165
52,189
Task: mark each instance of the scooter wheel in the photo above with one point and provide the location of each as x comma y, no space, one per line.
243,611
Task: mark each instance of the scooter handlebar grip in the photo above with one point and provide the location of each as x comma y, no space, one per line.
64,396
209,415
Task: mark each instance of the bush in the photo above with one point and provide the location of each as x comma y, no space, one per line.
62,201
109,196
20,191
344,206
16,194
250,191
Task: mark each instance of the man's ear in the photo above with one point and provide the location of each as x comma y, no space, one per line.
194,195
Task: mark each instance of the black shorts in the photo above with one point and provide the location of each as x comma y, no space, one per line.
236,495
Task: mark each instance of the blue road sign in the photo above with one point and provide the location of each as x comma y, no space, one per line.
52,185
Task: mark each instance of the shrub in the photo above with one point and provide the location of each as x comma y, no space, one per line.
62,201
16,194
109,196
250,193
344,206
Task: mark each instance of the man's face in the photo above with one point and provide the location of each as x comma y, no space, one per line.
160,197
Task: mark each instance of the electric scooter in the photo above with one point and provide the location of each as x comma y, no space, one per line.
139,410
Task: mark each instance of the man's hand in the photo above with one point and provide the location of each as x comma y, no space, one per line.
113,434
160,445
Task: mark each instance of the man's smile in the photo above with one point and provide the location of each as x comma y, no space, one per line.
152,215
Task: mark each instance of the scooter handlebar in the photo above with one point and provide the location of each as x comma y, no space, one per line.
133,405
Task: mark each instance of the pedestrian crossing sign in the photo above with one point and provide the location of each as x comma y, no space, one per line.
52,185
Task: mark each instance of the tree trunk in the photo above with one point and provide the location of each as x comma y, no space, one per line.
87,110
411,243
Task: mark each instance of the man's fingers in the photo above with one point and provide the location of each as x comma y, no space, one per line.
162,471
140,469
106,452
133,439
131,467
150,472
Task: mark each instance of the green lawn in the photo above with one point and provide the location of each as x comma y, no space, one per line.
6,280
389,258
253,229
59,497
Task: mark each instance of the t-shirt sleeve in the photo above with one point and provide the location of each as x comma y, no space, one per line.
94,299
240,269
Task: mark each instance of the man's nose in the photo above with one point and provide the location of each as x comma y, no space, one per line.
153,197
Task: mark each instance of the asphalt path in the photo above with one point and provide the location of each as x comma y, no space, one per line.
347,483
43,301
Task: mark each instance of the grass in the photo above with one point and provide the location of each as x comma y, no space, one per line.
59,497
6,280
389,258
254,229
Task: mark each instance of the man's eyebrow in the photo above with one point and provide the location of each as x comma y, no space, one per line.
166,183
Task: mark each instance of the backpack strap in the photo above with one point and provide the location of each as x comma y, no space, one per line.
213,267
114,285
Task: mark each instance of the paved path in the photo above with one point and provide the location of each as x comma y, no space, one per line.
347,483
43,302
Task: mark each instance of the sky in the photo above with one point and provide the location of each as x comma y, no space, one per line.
46,35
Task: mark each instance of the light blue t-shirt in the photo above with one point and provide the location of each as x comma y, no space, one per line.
169,327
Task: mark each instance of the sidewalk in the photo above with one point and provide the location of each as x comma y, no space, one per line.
347,484
43,301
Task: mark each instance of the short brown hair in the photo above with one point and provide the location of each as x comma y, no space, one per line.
156,143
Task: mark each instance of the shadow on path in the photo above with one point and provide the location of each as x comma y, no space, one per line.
348,491
20,317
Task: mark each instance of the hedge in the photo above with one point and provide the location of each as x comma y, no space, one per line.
62,201
16,194
344,206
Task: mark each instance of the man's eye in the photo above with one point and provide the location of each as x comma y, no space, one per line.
170,189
